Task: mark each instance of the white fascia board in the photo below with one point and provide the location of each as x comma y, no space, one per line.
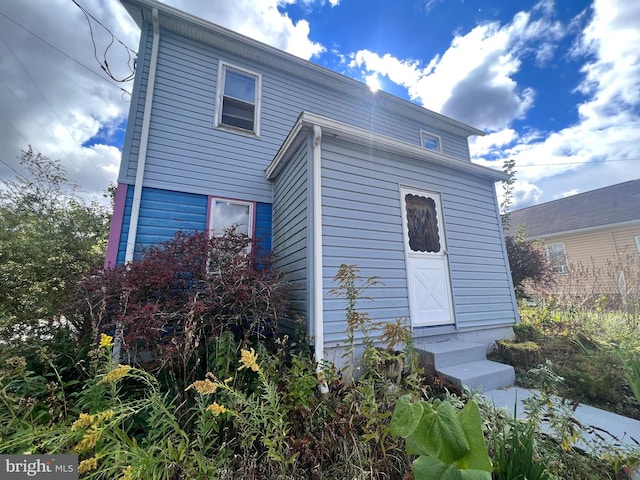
357,135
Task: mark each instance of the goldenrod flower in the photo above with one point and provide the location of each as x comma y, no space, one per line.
87,442
106,341
115,374
217,409
249,359
84,420
88,465
204,387
127,473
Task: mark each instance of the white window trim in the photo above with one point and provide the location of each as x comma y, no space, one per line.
220,95
564,269
211,221
424,133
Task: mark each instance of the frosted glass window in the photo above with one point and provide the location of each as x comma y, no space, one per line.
422,224
226,214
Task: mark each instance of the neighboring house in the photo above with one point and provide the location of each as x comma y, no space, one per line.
592,240
226,130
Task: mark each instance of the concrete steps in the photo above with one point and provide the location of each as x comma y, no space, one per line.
465,363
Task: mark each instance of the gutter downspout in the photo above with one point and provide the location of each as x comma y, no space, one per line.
144,140
318,320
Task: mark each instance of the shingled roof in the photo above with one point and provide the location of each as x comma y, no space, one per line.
617,204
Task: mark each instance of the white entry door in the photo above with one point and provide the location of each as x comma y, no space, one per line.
430,300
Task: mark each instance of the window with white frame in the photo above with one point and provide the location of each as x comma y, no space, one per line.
558,257
226,214
430,141
238,105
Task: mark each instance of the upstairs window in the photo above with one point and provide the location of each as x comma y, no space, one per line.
238,99
558,257
431,141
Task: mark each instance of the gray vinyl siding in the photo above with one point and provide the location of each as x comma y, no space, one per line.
131,146
291,229
362,225
186,153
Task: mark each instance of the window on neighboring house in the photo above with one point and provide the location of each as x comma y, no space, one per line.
430,141
225,214
558,257
638,243
238,99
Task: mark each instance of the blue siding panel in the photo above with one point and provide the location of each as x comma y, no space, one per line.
291,231
362,225
126,221
264,229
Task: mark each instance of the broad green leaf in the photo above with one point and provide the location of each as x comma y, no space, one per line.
475,475
477,458
406,416
440,434
426,467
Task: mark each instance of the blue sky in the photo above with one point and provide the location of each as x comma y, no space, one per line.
555,85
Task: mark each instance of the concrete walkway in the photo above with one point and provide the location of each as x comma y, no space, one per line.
608,429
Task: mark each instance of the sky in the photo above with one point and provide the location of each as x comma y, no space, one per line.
554,85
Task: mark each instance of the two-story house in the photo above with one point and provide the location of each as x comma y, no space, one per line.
224,130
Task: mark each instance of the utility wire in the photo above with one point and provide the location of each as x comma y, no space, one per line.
50,106
64,53
104,64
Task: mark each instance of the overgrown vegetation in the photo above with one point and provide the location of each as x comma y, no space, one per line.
527,260
175,368
589,347
48,237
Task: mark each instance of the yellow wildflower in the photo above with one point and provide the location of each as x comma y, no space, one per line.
127,473
88,465
217,409
87,442
106,341
204,387
228,381
115,374
84,420
249,359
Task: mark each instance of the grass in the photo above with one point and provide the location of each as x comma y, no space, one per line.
589,349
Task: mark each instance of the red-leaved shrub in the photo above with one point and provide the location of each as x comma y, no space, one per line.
178,296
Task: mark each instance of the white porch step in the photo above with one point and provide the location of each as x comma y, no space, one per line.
481,374
465,364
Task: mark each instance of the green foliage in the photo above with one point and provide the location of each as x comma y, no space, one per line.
632,372
527,262
48,237
514,453
450,443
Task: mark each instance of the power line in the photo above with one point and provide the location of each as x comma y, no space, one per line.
50,106
105,64
63,53
633,159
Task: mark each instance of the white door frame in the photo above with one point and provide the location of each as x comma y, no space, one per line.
427,271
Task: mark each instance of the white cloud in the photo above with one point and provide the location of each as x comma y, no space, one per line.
472,80
51,101
260,20
591,153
